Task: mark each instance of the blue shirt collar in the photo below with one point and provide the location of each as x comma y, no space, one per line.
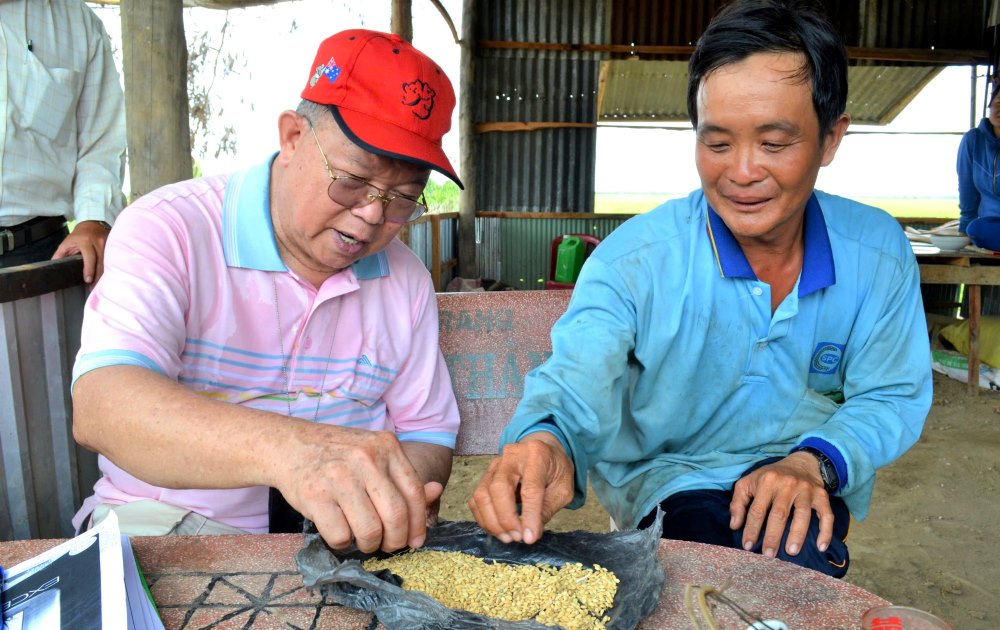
818,269
247,234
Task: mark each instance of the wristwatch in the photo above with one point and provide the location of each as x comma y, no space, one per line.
105,225
826,469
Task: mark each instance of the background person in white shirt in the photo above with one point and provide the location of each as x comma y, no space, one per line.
62,139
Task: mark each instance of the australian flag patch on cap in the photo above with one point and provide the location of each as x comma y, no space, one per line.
330,70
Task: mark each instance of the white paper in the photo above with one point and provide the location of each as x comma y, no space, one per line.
141,611
77,584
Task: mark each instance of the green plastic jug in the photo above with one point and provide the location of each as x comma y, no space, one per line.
569,259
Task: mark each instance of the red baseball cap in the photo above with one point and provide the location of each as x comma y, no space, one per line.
388,97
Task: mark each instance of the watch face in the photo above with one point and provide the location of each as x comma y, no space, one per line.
828,474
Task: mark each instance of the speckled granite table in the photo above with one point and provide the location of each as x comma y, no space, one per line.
228,582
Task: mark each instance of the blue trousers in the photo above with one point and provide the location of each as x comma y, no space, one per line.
703,516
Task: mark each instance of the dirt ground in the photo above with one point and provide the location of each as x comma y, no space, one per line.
928,540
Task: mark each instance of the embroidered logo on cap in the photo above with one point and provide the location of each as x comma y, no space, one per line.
419,96
330,70
826,357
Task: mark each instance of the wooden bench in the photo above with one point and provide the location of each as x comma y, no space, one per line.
975,270
490,340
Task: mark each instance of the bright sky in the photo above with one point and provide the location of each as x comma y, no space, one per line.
914,156
274,48
278,42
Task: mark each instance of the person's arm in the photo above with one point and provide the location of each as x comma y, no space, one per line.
887,390
535,472
569,415
129,406
355,485
432,463
764,500
968,194
87,239
100,160
420,400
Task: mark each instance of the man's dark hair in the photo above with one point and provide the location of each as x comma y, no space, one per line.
746,27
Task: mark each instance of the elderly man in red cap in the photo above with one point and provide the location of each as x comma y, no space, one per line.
265,329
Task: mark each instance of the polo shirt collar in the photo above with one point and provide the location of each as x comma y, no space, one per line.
248,240
818,269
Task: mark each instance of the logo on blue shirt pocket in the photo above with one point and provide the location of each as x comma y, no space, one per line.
826,357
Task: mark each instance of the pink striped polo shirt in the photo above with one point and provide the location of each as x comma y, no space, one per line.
187,292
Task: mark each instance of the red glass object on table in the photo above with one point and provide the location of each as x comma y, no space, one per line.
901,618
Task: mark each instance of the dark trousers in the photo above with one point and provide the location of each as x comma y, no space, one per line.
703,516
40,250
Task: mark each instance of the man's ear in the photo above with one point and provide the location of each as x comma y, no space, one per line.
831,142
292,128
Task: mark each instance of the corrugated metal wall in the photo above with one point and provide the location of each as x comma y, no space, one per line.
525,244
419,238
552,21
660,22
990,297
548,170
489,252
45,474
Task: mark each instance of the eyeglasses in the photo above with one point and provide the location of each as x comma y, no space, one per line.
352,192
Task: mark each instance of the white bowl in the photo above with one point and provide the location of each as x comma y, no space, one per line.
950,242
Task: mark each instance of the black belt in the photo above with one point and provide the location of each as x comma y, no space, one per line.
28,232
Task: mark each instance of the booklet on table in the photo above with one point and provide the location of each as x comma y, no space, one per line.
91,581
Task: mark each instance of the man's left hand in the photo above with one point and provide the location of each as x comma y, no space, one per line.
791,487
87,239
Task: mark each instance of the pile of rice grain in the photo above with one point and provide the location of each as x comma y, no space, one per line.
569,596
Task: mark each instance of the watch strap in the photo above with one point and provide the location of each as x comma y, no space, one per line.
827,471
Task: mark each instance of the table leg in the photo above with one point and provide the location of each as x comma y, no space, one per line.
975,304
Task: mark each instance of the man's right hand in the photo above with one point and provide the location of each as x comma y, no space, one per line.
356,485
361,490
535,472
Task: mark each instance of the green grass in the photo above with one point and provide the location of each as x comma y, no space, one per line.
936,208
629,203
636,203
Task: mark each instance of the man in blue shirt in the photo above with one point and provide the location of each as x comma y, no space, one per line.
746,358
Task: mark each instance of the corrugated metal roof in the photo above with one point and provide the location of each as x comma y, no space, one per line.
532,70
875,94
636,90
913,24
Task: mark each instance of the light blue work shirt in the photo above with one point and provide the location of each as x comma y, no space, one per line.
669,372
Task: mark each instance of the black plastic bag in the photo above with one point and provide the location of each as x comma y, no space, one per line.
630,555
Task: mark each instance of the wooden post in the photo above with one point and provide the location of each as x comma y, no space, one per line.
154,55
975,306
468,266
436,251
401,21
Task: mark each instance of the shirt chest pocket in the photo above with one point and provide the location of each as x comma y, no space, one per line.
48,105
365,384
